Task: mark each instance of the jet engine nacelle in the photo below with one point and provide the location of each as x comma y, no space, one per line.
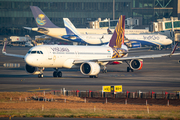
90,68
31,69
136,64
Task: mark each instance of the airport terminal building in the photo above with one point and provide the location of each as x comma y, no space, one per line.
16,14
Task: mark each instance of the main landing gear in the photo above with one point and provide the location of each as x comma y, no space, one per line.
41,73
129,68
57,73
93,76
104,69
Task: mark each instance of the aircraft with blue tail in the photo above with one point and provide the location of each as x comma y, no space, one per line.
74,35
99,39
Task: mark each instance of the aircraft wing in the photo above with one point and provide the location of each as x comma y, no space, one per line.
28,28
139,48
124,58
13,55
129,58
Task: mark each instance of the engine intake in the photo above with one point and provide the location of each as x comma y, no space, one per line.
136,64
90,68
31,69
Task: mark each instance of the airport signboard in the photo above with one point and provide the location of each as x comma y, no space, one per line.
118,88
106,88
112,88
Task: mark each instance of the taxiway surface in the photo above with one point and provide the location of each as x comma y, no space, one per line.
160,74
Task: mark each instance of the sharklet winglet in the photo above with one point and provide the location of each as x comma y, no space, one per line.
173,50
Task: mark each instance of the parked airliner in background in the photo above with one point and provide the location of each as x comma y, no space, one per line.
74,35
145,39
45,26
87,58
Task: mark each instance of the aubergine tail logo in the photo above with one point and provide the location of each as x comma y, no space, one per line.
41,19
117,38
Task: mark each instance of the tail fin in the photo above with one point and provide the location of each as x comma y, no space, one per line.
117,38
70,28
41,19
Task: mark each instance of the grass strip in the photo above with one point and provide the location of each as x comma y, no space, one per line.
90,113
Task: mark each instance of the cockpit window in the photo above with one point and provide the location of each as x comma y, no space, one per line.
29,52
33,52
41,52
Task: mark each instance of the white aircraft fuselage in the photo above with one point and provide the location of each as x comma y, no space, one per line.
58,32
55,56
150,39
144,39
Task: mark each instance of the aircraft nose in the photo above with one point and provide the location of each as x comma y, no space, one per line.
29,59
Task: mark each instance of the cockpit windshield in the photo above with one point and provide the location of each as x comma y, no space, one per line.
35,52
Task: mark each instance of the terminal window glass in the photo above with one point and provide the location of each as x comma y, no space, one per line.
104,24
176,24
168,25
113,23
5,5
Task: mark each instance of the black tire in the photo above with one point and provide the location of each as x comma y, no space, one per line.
95,76
128,69
91,76
104,71
55,74
59,74
40,75
132,70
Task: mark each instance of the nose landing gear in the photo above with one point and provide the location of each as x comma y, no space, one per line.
41,73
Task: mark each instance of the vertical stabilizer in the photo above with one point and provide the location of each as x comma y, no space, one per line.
117,38
70,28
41,19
